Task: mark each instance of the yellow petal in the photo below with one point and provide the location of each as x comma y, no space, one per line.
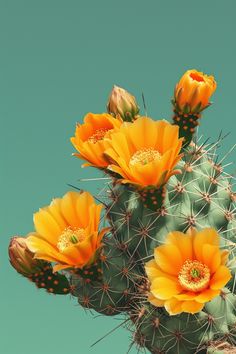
83,204
224,256
206,236
211,257
43,250
207,295
58,267
143,133
187,295
153,271
183,242
68,207
173,306
220,278
121,147
154,301
79,254
168,258
47,226
165,288
94,217
55,210
192,306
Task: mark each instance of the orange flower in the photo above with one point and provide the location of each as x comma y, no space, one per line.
145,152
187,271
67,231
194,90
90,138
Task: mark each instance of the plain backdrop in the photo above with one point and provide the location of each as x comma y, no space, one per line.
58,61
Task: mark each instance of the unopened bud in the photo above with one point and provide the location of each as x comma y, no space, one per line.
38,271
21,258
122,103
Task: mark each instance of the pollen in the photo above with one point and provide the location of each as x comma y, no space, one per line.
144,156
70,237
194,276
98,135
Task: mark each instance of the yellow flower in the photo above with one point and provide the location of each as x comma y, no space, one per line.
90,138
194,90
187,271
145,152
67,231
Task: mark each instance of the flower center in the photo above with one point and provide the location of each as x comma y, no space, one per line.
98,135
144,156
194,276
197,77
69,237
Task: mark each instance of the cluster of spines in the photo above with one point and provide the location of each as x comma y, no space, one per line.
199,164
184,334
218,183
110,293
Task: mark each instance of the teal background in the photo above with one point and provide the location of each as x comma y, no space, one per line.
59,60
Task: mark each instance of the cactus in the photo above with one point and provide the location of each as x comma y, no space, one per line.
201,196
192,195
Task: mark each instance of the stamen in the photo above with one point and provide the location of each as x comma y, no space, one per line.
194,276
69,237
144,156
98,135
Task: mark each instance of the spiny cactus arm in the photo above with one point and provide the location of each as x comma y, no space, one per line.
119,276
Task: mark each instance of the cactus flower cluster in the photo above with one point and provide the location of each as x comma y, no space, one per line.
159,248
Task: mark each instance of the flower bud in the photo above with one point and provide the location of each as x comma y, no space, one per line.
193,92
122,103
37,271
21,258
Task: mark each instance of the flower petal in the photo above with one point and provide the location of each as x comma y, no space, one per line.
173,306
68,208
207,295
186,295
206,236
154,301
43,250
211,257
224,256
220,278
144,133
153,271
168,258
192,306
47,226
183,242
164,288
